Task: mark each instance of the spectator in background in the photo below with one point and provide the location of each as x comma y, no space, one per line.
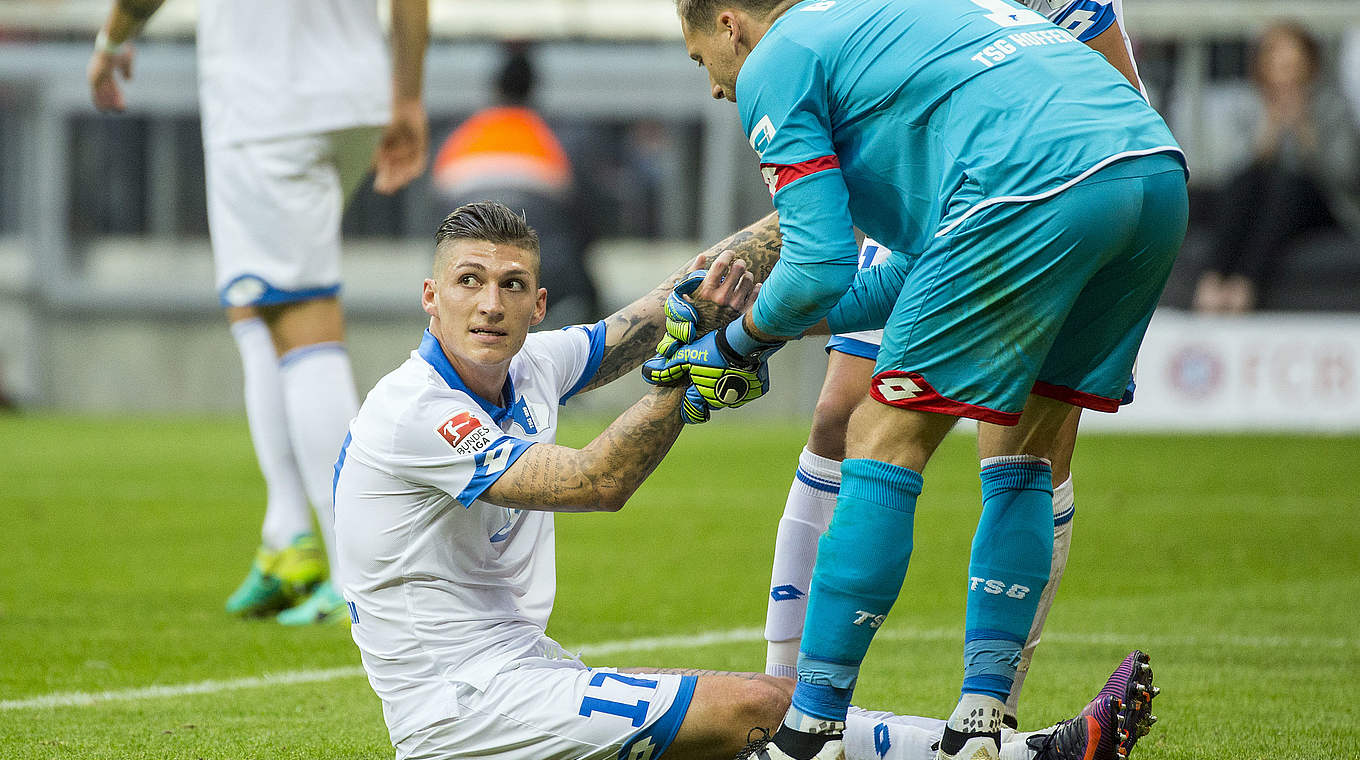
507,153
1304,172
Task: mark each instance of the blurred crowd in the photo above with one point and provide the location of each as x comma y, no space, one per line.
1275,174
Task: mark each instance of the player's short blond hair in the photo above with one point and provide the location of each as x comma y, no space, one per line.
696,13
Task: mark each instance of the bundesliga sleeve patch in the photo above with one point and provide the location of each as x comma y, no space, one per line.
466,433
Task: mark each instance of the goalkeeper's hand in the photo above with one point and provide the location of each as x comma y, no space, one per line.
682,319
719,375
682,322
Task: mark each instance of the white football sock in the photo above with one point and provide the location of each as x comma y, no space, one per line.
873,735
807,512
1064,509
318,392
286,513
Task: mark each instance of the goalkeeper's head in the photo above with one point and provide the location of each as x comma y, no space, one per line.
484,293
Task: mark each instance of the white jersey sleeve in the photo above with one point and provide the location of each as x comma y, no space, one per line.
572,354
455,449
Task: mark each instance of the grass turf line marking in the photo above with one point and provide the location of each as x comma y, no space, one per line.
86,698
647,644
600,649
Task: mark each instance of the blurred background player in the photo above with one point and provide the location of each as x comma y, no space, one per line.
1022,237
508,153
298,102
850,366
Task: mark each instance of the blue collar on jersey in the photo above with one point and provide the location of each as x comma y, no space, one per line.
431,351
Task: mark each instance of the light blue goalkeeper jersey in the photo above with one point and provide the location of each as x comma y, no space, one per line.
905,117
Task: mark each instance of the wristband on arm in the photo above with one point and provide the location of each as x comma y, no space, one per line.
102,43
742,344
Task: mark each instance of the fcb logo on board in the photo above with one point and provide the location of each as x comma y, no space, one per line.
464,432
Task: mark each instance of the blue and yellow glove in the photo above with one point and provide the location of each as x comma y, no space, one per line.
682,319
684,363
721,376
682,324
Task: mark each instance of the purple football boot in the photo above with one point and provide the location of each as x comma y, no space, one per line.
1110,724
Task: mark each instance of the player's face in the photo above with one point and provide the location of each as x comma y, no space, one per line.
713,49
483,303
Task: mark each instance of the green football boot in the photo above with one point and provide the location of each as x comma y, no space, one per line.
325,605
278,579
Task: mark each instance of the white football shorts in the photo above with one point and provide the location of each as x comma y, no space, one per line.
545,709
274,210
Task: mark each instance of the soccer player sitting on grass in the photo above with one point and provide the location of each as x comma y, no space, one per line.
445,494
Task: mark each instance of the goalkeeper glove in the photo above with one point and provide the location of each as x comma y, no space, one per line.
682,322
682,319
721,376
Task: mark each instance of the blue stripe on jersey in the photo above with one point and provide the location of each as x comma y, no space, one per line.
253,290
663,730
1086,19
812,481
596,333
339,463
492,462
433,353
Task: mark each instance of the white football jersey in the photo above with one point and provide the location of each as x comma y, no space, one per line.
269,69
443,586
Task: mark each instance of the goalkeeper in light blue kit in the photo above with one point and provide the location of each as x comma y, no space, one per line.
1046,201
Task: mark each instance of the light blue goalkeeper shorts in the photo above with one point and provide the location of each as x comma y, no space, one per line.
1051,296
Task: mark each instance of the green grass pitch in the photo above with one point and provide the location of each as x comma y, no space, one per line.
1234,561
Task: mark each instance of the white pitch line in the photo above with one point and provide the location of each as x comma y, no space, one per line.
86,698
648,644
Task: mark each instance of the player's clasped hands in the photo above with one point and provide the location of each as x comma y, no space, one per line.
718,376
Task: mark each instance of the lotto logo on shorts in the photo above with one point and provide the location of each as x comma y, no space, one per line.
898,388
465,433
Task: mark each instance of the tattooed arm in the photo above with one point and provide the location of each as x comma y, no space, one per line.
603,475
632,332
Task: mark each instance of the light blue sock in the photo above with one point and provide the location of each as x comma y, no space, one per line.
1012,552
861,562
